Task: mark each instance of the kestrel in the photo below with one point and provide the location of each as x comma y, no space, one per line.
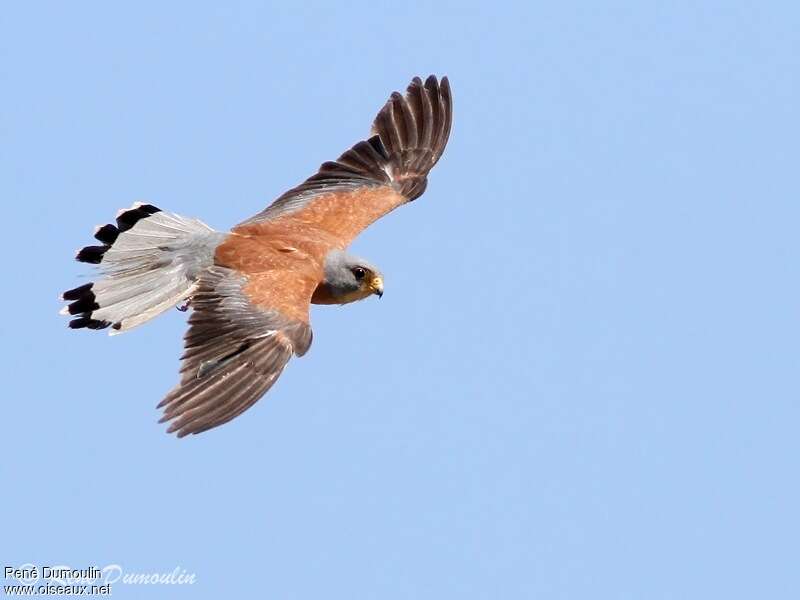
250,289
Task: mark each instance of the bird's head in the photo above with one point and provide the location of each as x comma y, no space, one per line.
347,279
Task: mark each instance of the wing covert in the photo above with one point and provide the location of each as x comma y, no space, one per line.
376,175
235,350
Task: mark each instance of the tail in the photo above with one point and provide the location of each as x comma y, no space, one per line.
151,260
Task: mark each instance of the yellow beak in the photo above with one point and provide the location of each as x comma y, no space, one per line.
376,285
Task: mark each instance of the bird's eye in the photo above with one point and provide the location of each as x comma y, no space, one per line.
359,273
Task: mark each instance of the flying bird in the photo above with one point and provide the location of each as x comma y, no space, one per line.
250,289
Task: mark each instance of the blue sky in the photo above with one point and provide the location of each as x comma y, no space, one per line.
582,381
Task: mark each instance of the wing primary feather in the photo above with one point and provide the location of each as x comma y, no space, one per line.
410,129
408,136
234,352
425,110
240,396
236,346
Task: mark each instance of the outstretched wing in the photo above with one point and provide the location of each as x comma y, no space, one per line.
374,176
235,351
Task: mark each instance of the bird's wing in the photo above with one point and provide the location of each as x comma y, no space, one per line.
235,348
374,176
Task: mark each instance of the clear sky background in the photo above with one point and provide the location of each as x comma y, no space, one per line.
582,381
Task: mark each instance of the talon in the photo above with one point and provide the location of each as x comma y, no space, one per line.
184,307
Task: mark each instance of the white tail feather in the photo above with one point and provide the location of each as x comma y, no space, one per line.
150,260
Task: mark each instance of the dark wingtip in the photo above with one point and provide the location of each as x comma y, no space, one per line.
107,234
91,254
82,298
78,292
88,323
129,218
84,304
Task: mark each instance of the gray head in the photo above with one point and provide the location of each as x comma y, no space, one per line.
347,279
